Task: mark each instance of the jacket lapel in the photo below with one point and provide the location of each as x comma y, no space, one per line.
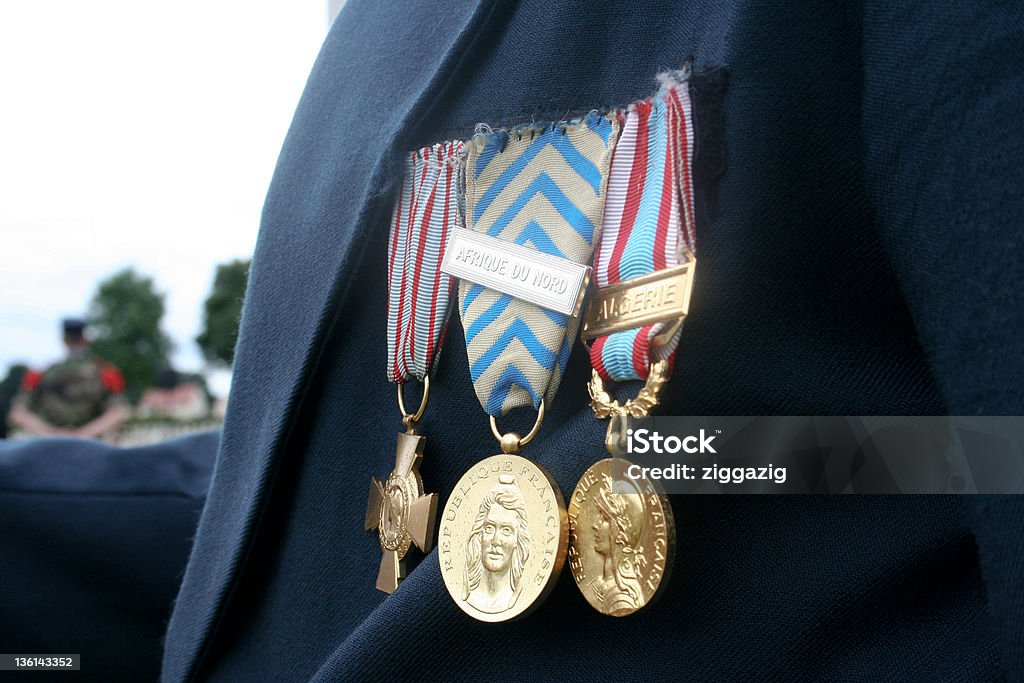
334,173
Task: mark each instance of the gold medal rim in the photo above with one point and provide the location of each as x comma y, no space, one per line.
670,541
560,555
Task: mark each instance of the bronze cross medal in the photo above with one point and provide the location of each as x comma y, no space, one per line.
401,512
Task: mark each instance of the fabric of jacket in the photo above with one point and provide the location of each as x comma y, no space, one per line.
94,543
860,221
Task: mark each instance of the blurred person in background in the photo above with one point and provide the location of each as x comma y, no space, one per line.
8,390
174,397
80,395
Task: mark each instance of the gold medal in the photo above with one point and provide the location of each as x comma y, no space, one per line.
398,508
419,300
523,267
622,531
504,535
622,528
622,538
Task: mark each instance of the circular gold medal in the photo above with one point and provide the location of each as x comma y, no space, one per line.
503,538
622,538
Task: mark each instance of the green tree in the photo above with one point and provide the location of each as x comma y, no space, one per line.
222,311
125,316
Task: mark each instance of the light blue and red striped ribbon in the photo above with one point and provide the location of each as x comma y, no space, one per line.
419,294
648,219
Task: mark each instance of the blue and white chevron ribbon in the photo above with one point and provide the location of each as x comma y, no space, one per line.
541,186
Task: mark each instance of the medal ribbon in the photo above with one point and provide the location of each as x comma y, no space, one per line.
418,292
648,220
541,186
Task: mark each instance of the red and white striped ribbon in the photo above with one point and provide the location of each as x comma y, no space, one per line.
419,294
648,219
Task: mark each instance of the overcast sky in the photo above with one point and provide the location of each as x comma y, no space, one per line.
137,133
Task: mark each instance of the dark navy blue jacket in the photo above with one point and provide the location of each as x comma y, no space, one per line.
861,212
93,545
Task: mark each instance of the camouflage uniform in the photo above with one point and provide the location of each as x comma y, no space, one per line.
73,392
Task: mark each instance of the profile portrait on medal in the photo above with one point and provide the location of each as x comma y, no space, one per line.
497,549
394,507
618,525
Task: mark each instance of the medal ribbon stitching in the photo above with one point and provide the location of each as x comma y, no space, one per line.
542,187
419,294
648,220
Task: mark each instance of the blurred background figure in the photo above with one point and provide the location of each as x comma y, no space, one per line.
174,397
9,387
79,396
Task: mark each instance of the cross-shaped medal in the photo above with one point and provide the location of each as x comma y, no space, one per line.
401,512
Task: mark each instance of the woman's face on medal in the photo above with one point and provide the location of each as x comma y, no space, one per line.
602,532
499,538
